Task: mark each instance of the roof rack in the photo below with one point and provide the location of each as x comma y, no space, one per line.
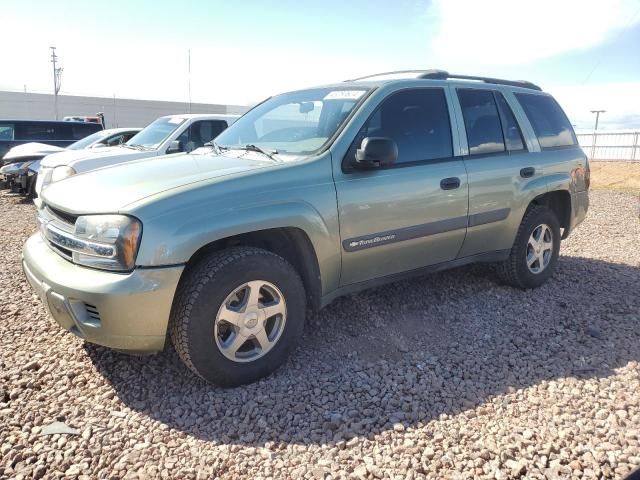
443,75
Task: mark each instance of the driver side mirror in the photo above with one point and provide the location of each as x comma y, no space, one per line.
174,147
376,152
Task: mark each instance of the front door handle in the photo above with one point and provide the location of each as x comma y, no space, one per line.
527,172
450,183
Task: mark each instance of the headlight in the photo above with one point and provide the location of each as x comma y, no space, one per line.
60,173
110,241
44,179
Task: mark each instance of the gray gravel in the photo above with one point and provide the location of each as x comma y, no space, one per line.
448,376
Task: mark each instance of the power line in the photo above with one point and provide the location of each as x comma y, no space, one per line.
597,64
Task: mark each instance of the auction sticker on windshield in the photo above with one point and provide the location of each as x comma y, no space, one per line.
176,120
344,95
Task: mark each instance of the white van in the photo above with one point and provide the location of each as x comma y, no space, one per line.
170,134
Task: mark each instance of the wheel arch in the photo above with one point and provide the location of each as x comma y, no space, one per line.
291,243
559,202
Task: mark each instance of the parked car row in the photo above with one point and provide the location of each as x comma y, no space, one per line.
310,195
31,167
22,163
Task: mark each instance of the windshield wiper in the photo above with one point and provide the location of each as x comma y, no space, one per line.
134,146
254,148
219,148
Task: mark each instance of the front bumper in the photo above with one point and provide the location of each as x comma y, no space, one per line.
120,311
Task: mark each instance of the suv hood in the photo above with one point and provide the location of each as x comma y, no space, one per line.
69,157
111,189
30,149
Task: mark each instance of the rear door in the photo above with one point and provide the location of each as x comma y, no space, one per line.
414,213
497,163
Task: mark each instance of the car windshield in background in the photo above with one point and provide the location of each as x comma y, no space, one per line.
86,141
155,133
297,123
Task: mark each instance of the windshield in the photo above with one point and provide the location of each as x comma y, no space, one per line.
297,123
155,133
86,141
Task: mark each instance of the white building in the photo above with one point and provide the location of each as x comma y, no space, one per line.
118,112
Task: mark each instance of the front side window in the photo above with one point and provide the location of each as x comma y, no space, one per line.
155,133
416,120
298,123
200,133
7,131
481,121
118,139
549,122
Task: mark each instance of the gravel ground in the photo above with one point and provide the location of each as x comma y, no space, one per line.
448,376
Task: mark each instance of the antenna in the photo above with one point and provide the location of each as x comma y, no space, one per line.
57,77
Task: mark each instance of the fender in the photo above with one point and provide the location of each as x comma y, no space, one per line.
205,226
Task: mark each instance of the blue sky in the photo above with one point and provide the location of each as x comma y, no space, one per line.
244,51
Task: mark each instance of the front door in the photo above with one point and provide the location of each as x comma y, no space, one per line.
414,213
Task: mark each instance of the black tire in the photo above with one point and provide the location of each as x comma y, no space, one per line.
201,293
514,271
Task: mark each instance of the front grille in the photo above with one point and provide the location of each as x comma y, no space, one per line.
64,217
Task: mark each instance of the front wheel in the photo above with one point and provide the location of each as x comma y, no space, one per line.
237,314
534,254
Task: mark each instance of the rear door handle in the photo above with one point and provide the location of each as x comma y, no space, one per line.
527,172
450,183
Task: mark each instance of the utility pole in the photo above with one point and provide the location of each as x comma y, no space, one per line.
189,75
57,74
597,112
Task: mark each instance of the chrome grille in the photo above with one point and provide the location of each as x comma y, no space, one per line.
64,217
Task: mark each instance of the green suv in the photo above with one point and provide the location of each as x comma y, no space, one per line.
310,195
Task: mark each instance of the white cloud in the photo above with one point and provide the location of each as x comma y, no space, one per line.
620,100
510,32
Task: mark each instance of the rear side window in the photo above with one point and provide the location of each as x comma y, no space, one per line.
81,130
512,133
481,121
549,122
6,131
417,120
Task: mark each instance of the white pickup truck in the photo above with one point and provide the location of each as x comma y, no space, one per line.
170,134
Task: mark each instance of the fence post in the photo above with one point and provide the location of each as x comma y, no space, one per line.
593,145
635,146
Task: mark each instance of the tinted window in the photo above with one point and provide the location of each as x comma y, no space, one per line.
512,134
39,131
200,133
6,131
481,121
81,130
417,120
549,122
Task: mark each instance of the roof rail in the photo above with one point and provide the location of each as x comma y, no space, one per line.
387,73
443,75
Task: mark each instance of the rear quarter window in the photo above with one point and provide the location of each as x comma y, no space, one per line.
549,122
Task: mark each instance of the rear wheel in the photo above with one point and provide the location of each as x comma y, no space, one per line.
535,250
237,314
